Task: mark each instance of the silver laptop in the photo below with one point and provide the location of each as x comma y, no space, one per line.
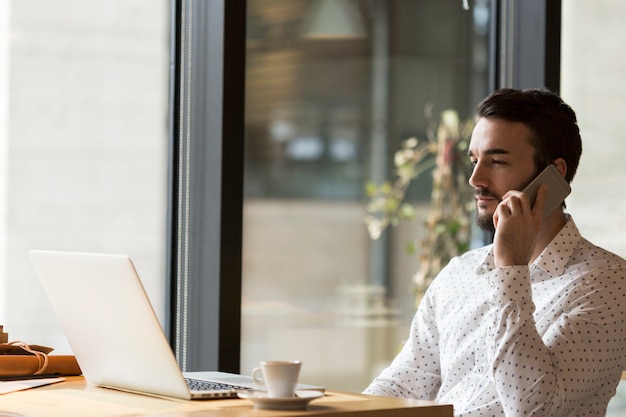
113,331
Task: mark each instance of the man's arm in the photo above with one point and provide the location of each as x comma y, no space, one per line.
579,353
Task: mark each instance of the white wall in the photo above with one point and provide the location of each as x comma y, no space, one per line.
86,144
594,84
4,138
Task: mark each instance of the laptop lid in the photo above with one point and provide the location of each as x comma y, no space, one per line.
109,322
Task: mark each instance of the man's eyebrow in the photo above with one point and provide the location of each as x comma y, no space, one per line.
494,151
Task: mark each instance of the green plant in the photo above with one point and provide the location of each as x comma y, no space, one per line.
443,154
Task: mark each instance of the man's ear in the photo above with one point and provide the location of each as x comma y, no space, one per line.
561,165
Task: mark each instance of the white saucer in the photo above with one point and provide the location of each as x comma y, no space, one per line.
263,402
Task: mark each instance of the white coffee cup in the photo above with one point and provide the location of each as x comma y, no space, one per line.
278,377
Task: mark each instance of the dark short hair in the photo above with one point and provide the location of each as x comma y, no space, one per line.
552,121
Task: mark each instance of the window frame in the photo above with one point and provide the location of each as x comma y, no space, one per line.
523,58
207,183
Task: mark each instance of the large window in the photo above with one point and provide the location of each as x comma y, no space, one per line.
272,257
83,145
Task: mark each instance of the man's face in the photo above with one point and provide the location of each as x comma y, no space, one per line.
502,155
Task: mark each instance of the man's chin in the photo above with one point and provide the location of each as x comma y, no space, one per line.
485,222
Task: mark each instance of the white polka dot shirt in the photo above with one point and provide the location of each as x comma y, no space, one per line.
544,340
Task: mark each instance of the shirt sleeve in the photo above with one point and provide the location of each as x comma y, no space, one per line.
415,371
547,375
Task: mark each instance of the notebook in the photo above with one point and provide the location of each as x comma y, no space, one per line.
113,331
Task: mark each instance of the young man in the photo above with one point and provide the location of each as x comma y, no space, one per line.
532,324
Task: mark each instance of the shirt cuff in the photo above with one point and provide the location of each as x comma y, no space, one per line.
510,284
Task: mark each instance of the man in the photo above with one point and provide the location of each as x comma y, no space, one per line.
532,324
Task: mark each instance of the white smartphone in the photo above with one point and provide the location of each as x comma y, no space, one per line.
558,188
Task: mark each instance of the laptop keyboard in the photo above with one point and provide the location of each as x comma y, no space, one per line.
199,385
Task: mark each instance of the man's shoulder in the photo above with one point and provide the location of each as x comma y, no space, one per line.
592,253
472,257
479,252
586,251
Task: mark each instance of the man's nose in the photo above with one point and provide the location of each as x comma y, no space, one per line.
477,179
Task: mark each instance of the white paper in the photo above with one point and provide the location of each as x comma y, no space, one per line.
12,386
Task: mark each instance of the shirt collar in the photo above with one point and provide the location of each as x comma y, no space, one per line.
554,258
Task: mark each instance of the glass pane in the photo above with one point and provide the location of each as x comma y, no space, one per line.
83,143
334,87
592,82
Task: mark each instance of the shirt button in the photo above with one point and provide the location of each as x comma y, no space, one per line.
492,285
480,370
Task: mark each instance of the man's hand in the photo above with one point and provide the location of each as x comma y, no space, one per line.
517,227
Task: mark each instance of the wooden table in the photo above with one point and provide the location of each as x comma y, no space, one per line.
76,398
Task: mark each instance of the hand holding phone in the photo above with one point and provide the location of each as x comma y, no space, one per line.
558,189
